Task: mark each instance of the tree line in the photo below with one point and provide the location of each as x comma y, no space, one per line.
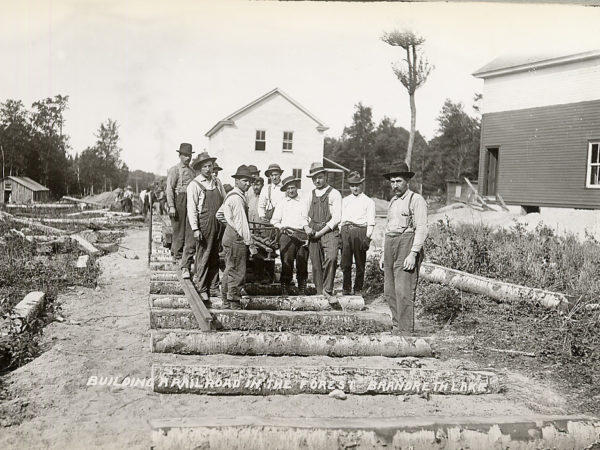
453,153
33,144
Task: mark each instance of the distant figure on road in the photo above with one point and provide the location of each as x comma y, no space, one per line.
405,233
127,200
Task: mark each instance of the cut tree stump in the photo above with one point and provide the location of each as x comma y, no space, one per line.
530,432
276,344
260,380
498,290
291,303
305,322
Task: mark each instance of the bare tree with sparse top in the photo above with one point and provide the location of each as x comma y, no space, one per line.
412,75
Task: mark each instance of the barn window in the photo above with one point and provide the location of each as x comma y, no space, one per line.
593,169
288,137
260,144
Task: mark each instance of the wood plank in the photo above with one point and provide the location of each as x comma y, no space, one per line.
499,197
375,433
305,322
201,314
261,380
281,343
85,244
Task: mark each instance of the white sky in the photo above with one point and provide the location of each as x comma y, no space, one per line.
168,71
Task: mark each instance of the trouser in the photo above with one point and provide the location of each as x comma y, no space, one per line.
323,256
145,207
162,207
353,246
291,249
400,286
206,263
127,205
179,224
236,254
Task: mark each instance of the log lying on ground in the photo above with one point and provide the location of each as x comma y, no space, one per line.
305,322
162,258
33,224
85,245
291,303
375,433
498,290
172,287
164,276
260,380
163,266
277,344
78,200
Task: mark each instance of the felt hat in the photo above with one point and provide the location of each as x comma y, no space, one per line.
254,169
217,167
315,168
201,159
355,178
271,168
242,172
289,180
185,149
399,170
260,180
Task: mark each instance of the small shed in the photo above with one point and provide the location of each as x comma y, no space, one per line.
459,191
22,190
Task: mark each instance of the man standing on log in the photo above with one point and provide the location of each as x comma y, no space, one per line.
237,239
405,233
291,218
178,178
272,195
324,213
205,196
358,222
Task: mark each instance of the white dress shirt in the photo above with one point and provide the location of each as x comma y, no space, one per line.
265,203
334,201
291,213
358,210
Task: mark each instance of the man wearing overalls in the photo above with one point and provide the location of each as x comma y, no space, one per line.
402,255
237,239
324,213
178,178
205,196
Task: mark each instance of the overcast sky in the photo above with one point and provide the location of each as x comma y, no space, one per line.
168,71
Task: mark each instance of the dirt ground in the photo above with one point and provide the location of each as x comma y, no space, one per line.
106,334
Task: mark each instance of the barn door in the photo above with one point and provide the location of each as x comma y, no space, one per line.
492,171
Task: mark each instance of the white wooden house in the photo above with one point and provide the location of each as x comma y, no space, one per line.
274,128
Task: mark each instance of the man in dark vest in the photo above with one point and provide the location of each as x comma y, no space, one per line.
405,233
178,178
205,196
324,214
237,239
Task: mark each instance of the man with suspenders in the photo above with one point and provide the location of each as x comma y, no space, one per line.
270,196
205,196
237,239
178,178
405,233
324,214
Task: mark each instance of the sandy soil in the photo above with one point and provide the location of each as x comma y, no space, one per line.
107,334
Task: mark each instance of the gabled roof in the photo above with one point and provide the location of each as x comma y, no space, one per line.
522,63
28,183
230,120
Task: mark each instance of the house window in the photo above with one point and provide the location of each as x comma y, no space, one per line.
297,173
593,169
260,144
288,137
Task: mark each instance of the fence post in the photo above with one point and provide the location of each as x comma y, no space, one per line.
150,233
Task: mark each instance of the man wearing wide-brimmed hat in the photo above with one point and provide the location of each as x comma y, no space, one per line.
205,196
291,217
324,214
405,233
253,197
178,178
237,238
358,222
216,169
270,196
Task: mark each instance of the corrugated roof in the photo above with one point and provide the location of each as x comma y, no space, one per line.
28,183
519,63
229,120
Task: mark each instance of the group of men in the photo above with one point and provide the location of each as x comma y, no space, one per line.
312,226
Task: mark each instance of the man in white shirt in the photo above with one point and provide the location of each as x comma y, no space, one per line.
358,222
272,194
324,213
205,196
405,233
291,218
237,239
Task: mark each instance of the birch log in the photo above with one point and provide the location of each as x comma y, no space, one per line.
278,344
498,290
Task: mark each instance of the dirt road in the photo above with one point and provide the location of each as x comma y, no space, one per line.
106,334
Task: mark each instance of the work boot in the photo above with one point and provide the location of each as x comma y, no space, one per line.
185,273
333,302
301,287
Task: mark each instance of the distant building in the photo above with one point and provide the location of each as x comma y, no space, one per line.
272,129
22,190
459,191
540,138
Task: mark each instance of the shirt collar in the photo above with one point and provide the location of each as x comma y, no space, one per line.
183,166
